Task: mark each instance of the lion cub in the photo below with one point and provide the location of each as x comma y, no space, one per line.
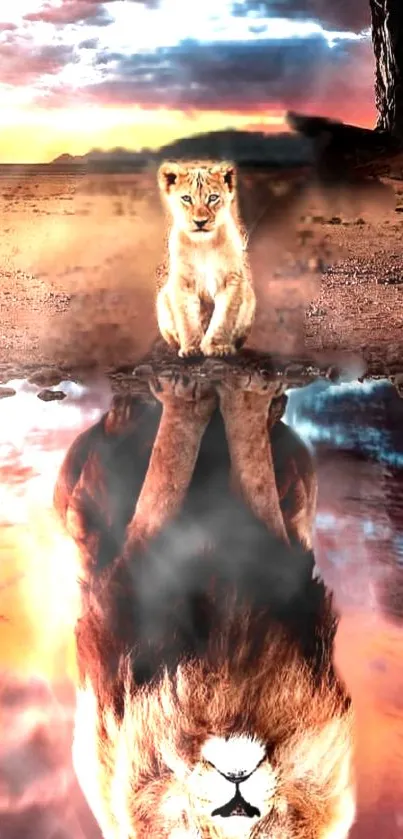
207,304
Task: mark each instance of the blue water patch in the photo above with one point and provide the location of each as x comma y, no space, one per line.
364,418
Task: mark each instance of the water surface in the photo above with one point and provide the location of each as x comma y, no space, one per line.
356,434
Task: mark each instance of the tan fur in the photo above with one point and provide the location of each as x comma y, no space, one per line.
245,417
283,497
81,482
137,744
208,272
143,775
186,412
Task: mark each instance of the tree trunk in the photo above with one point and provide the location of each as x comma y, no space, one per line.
387,37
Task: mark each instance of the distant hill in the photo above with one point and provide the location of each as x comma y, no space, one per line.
243,147
65,159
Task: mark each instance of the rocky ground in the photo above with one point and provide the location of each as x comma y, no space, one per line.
78,256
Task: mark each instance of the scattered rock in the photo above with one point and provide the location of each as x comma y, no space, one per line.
51,395
46,377
333,373
316,312
389,280
7,391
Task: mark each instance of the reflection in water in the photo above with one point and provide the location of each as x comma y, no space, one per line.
361,418
34,438
355,433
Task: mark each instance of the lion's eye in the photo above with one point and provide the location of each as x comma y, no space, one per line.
187,199
213,198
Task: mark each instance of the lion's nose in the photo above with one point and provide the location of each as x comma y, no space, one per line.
236,777
200,222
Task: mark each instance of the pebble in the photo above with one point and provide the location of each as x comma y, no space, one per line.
7,391
51,395
46,377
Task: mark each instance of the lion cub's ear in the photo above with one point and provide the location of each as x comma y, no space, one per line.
167,175
228,173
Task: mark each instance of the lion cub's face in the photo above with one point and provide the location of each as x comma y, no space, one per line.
199,196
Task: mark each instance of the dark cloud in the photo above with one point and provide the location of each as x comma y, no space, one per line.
89,44
7,27
353,15
240,76
344,14
303,74
73,11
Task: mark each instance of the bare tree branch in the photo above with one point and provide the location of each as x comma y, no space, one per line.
387,39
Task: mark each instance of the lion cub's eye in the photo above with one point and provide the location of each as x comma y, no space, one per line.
213,198
187,199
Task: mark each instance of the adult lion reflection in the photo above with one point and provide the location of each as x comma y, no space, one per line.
207,704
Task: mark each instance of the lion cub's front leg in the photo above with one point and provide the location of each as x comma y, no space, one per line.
166,318
245,414
179,315
187,408
232,319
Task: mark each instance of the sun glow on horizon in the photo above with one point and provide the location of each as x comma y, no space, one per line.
78,129
39,135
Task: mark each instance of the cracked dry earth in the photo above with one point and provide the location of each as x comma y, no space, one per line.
78,256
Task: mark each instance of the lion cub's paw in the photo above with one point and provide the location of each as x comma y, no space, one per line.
214,347
171,340
190,352
184,393
178,386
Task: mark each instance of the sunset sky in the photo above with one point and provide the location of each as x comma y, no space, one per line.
79,74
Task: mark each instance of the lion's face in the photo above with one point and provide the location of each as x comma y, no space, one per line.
235,792
229,789
250,747
265,757
199,196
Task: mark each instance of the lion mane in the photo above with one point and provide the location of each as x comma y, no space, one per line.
207,701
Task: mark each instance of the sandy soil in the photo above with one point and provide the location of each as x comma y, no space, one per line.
78,257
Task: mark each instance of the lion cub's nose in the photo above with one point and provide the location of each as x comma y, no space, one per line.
200,222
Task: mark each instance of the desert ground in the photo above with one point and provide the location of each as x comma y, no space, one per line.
78,256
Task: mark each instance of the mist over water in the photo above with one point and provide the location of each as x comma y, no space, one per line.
355,433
